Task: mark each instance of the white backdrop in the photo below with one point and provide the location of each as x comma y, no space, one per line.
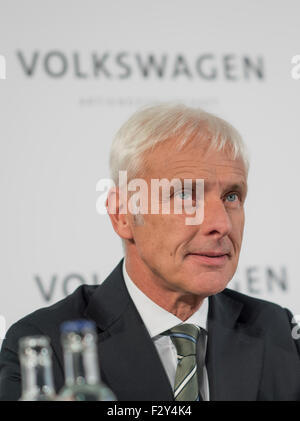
75,70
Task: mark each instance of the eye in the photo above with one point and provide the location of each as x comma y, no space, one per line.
184,194
233,199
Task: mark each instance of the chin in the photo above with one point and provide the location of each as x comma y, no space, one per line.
207,287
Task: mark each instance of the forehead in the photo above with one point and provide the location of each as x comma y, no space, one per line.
193,160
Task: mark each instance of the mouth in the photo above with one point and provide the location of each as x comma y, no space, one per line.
210,258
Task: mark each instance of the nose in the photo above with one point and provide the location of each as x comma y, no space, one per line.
216,221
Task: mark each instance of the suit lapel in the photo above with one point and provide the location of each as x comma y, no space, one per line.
129,360
234,352
130,363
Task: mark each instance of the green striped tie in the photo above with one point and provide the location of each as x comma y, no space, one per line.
184,337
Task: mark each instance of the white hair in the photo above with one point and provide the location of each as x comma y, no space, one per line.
154,124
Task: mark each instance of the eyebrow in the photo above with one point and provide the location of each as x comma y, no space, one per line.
236,186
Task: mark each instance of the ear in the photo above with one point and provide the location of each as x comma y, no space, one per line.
116,205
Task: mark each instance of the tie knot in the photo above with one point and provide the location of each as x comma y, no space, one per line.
184,337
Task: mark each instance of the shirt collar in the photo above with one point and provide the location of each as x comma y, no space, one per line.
156,318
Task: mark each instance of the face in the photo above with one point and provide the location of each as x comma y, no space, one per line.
192,259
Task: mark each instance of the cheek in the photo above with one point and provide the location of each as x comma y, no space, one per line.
160,234
150,235
238,229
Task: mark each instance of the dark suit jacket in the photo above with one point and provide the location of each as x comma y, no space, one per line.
251,354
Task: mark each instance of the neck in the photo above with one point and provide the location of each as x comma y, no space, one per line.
180,303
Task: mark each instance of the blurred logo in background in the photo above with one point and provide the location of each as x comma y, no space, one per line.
259,280
65,285
254,280
124,65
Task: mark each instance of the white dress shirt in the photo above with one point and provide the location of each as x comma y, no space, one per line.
158,320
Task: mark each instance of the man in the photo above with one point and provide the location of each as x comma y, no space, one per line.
168,328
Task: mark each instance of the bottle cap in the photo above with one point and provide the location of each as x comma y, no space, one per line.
77,326
35,341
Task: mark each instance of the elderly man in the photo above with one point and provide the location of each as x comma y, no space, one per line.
168,328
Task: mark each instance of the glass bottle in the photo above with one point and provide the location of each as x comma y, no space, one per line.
82,376
36,369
